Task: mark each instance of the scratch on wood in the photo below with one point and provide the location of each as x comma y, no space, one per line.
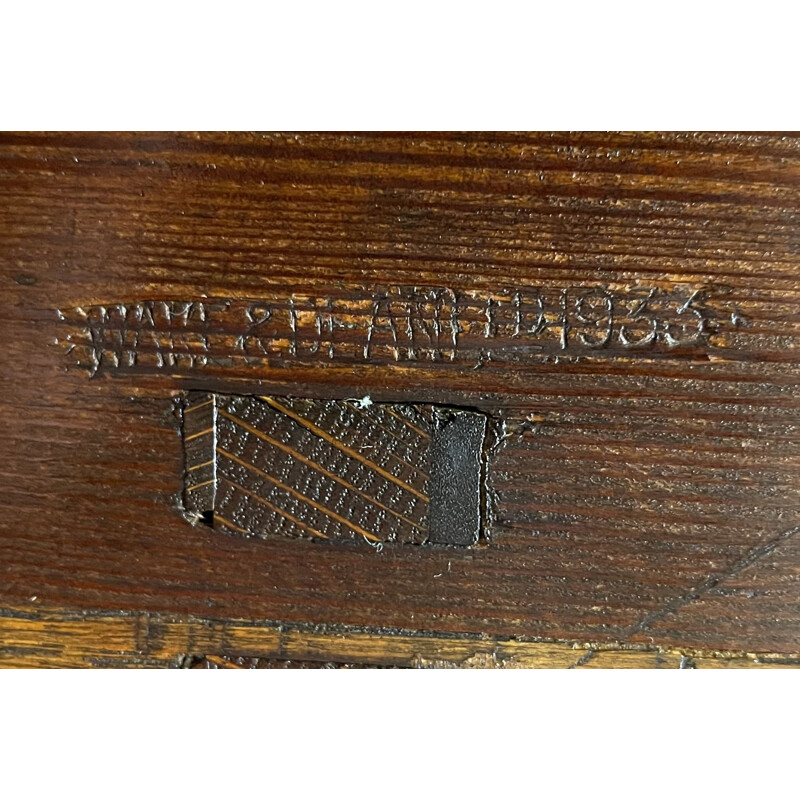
711,582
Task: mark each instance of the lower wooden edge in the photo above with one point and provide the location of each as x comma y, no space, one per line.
36,637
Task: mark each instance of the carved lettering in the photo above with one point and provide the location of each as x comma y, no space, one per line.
410,324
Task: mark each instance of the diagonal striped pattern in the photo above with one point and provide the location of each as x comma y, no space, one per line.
271,466
200,484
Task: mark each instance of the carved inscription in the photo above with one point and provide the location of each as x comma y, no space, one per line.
326,469
409,324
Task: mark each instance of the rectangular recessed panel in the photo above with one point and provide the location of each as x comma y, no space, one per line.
334,469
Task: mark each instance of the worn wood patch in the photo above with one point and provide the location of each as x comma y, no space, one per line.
240,662
326,469
32,636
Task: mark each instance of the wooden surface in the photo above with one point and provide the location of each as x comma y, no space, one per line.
623,307
40,637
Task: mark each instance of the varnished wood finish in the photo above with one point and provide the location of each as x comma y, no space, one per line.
626,310
223,662
41,637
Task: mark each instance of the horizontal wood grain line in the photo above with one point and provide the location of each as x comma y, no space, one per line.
564,177
32,636
365,150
